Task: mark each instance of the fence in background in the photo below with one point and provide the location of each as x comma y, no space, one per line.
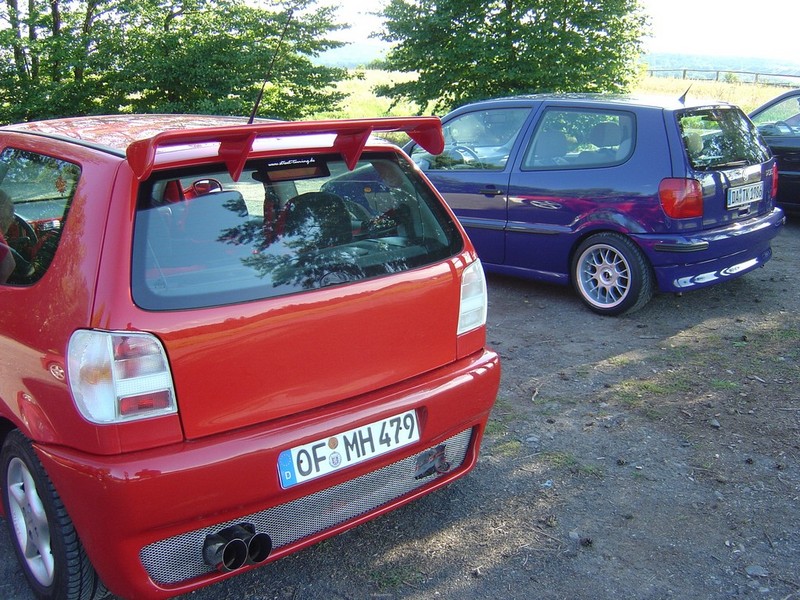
727,75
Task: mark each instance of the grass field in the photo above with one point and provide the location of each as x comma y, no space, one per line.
362,101
746,95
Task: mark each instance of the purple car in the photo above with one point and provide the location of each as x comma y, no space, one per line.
619,196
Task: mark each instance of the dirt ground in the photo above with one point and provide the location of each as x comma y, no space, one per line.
652,456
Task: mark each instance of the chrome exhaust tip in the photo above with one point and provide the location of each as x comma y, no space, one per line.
226,550
259,547
233,547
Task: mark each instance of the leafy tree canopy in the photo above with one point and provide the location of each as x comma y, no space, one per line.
467,50
76,57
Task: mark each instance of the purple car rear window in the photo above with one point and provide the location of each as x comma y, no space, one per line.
720,137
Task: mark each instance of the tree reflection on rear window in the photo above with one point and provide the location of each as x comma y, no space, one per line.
286,226
720,137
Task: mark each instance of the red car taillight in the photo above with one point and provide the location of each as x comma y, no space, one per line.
472,308
681,198
119,376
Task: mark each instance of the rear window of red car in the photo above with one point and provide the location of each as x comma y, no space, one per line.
286,226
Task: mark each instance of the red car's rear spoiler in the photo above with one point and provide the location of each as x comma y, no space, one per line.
236,142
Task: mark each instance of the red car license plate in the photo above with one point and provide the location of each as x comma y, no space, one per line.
318,458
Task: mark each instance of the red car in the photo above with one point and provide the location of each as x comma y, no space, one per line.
209,360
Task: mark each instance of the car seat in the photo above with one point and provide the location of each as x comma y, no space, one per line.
694,144
605,134
173,192
215,229
321,219
606,137
549,149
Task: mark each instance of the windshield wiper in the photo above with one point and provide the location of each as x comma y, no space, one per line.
733,163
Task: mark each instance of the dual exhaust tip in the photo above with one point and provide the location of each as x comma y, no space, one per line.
235,546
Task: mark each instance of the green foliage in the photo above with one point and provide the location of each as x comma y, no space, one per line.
467,50
69,57
377,64
730,78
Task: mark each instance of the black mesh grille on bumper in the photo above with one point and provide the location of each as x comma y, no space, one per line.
180,558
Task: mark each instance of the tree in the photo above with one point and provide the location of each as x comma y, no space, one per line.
76,57
204,56
50,63
467,50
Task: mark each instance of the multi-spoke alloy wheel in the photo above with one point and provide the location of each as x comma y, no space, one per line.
611,274
44,539
29,521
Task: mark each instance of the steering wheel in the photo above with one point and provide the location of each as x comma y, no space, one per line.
471,154
779,125
337,273
22,267
26,228
27,239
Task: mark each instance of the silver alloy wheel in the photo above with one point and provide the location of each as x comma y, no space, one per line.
30,523
604,275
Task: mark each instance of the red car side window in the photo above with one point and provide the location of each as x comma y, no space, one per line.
35,191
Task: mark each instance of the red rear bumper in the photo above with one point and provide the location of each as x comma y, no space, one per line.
130,507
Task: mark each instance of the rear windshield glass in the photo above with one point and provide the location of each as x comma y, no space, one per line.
287,226
721,137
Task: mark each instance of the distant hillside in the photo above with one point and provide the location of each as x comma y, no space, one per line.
718,63
724,68
788,66
359,54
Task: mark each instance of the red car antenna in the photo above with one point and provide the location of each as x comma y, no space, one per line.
269,70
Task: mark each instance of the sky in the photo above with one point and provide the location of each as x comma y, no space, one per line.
740,28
